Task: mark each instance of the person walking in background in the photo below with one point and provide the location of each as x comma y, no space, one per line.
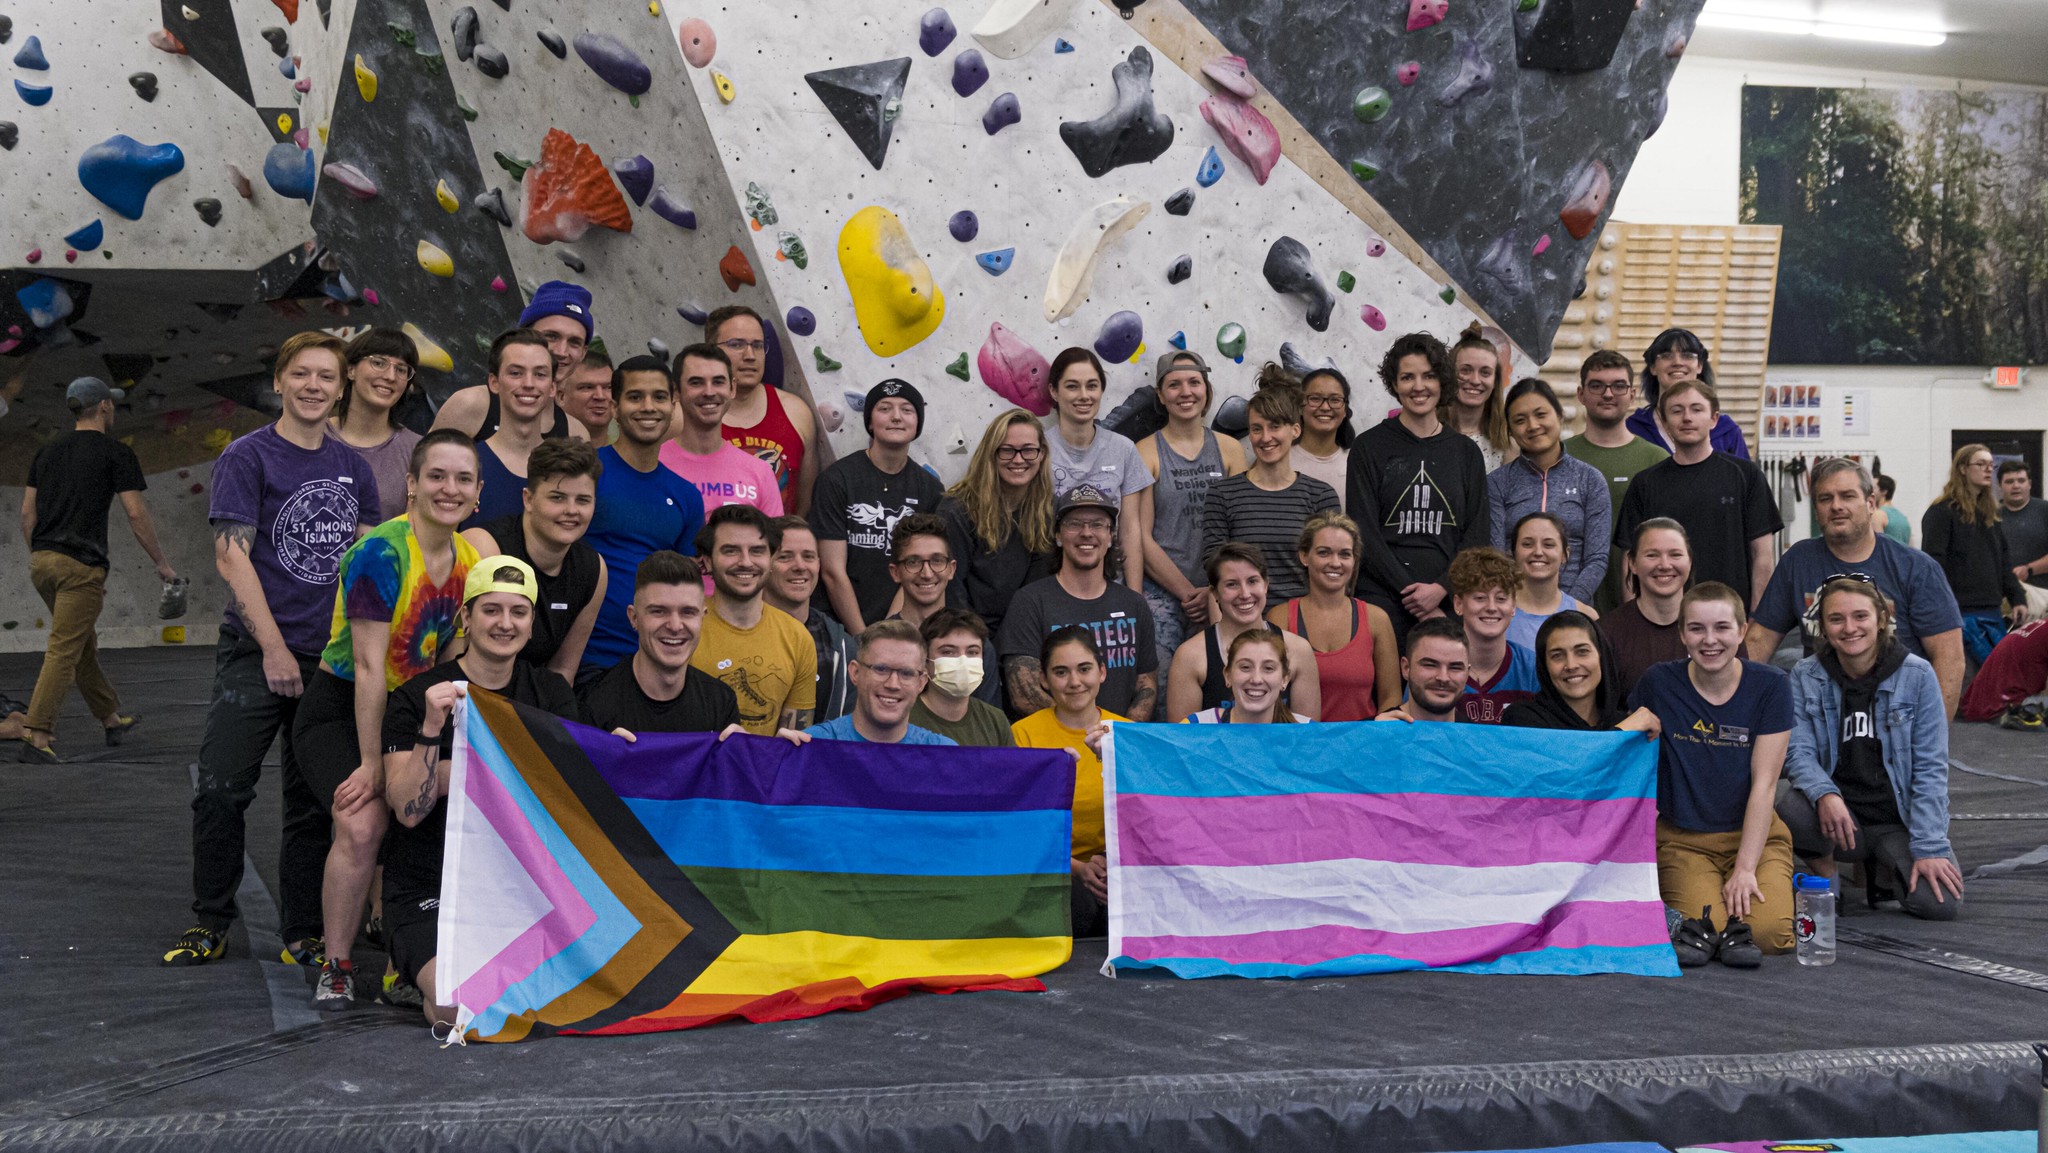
1960,531
1896,525
1607,393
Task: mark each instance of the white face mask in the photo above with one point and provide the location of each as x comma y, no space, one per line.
957,676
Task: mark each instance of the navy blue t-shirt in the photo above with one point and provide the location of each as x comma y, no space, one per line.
638,513
1909,578
1703,757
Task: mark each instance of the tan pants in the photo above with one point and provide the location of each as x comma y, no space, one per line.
74,594
1691,868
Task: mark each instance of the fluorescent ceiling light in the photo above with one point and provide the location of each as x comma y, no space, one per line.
1912,37
1719,17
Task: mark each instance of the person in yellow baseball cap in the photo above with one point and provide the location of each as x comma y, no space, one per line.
502,574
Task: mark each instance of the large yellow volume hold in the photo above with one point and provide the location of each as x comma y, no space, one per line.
894,300
432,355
435,260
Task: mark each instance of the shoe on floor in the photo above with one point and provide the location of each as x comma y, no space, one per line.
198,946
31,754
401,992
1694,941
336,988
119,730
310,953
1738,946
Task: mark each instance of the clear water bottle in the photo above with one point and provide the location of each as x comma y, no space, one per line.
1813,919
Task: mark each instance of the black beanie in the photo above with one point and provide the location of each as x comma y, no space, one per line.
901,389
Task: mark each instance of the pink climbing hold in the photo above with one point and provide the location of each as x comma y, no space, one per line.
302,138
1245,130
1542,245
1408,73
371,298
303,84
35,256
1588,200
71,256
1373,318
1426,13
1015,370
1232,75
1374,246
353,180
498,284
699,42
163,41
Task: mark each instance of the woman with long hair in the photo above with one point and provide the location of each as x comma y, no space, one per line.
1543,549
1070,666
380,366
1186,459
1325,445
1472,406
1675,355
1576,687
1257,671
1358,664
1081,452
1960,530
1544,479
999,517
1643,630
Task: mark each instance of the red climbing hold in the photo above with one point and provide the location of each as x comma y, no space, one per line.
733,266
35,256
163,41
1588,200
290,8
569,191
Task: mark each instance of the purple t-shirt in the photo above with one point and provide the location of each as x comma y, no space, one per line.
305,506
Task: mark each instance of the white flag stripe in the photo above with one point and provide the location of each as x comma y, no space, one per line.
1390,896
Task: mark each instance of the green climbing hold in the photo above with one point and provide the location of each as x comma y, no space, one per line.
463,107
825,363
1230,341
404,35
634,100
1528,5
483,343
1346,282
433,63
791,247
959,366
512,165
1449,295
1362,172
1371,105
760,209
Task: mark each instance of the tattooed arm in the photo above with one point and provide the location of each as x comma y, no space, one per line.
798,719
232,541
1145,697
1026,684
415,776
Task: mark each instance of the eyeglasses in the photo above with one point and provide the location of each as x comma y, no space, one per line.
737,345
916,564
1026,453
1322,402
1609,388
1090,525
887,673
398,368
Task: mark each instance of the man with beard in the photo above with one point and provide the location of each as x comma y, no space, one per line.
1080,593
773,425
1435,671
763,654
792,583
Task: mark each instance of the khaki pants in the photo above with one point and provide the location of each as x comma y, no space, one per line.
74,594
1692,866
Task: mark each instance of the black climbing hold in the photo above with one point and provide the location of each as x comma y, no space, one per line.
1131,132
568,257
553,42
464,26
1181,203
144,84
1128,8
491,62
9,135
279,40
1572,35
1182,268
6,29
864,99
1289,270
1579,290
492,204
209,210
505,4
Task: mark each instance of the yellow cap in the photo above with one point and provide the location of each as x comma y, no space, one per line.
501,574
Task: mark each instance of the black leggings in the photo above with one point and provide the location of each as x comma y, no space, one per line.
1885,846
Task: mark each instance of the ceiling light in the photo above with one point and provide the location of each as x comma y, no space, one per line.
1912,37
1718,16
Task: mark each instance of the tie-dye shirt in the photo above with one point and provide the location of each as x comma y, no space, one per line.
384,578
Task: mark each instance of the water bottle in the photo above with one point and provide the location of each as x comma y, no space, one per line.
1813,919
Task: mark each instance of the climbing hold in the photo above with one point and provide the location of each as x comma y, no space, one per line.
289,69
1060,46
6,29
1425,13
516,166
553,42
434,259
657,348
464,26
71,256
243,188
1131,132
1179,340
498,284
1002,112
163,40
1542,245
405,36
209,210
144,84
492,204
699,42
964,226
723,83
1297,364
1246,131
34,96
366,80
1675,46
997,262
303,85
432,355
120,170
445,196
895,301
693,314
1014,370
1588,200
935,30
88,238
1230,341
1211,169
188,13
636,176
463,107
856,401
1573,35
1474,75
1408,73
1448,294
860,97
614,62
1375,247
1181,203
352,180
1371,105
789,246
491,62
760,210
833,416
800,321
734,269
35,256
672,210
568,192
970,72
1119,337
1502,264
46,301
1288,269
1345,281
1373,318
1183,266
825,363
1232,75
1363,170
959,367
10,135
569,257
31,55
1011,28
1066,286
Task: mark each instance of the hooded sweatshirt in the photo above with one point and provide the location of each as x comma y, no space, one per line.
1417,501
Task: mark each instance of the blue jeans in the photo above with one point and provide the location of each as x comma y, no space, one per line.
1981,634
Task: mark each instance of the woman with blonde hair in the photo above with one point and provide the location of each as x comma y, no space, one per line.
1473,405
1358,662
1257,672
999,517
1960,530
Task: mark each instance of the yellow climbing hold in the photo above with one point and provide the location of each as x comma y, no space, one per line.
174,634
435,260
1138,355
284,123
894,300
446,196
724,86
322,130
431,355
654,7
366,80
218,439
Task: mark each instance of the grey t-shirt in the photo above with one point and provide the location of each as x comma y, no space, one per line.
2026,535
1118,619
1110,463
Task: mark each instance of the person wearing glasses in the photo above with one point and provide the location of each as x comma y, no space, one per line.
381,364
1960,530
1607,393
1080,592
1928,623
1674,356
1324,450
560,313
698,450
772,423
999,518
1186,460
762,653
888,673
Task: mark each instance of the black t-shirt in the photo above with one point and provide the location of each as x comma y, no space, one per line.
985,580
1119,620
855,502
76,478
616,701
412,856
562,596
1859,765
1724,503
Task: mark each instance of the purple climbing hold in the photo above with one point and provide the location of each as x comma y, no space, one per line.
32,95
120,170
1475,74
353,180
288,169
964,226
1375,247
672,210
1002,112
970,72
1211,170
1373,318
636,176
800,321
614,63
1120,337
31,55
935,30
464,27
692,313
1181,203
88,238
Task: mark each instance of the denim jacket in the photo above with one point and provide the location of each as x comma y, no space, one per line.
1912,725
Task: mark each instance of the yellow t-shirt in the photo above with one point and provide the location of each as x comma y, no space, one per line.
771,668
1043,730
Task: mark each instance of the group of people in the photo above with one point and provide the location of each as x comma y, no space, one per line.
656,546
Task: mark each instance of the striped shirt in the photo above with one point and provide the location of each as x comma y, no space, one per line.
1238,510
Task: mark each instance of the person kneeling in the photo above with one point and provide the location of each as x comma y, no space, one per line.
1868,759
1257,676
1435,669
888,673
1576,684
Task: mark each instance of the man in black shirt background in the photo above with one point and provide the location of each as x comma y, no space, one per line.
1723,501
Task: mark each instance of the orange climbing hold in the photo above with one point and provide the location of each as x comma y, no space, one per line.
569,191
735,268
290,8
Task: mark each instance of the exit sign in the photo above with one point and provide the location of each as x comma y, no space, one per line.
2008,377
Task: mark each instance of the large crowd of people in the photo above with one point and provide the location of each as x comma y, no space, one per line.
657,546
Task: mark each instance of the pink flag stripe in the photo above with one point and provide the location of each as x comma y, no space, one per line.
1575,924
1412,828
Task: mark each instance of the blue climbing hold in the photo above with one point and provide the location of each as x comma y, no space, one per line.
88,238
1002,112
996,263
1059,46
120,170
672,210
45,301
964,226
800,321
31,55
32,95
287,69
1178,340
1211,170
289,171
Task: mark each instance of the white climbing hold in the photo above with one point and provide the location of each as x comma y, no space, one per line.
1013,27
1067,285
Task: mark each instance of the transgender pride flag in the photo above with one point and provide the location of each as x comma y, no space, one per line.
1333,849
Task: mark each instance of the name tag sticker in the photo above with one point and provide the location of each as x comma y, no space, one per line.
557,607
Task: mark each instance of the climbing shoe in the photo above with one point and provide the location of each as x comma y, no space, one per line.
2024,717
311,953
198,946
1738,946
1694,941
336,988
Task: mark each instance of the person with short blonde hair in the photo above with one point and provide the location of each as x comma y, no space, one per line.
888,673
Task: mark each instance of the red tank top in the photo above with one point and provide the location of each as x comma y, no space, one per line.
775,440
1349,692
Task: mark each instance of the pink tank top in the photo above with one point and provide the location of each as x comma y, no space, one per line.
776,441
1349,692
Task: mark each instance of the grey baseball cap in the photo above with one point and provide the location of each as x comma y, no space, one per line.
1178,358
88,391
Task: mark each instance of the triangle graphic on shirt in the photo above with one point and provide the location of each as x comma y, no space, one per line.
1422,508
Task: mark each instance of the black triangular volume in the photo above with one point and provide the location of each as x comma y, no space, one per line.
212,41
861,99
